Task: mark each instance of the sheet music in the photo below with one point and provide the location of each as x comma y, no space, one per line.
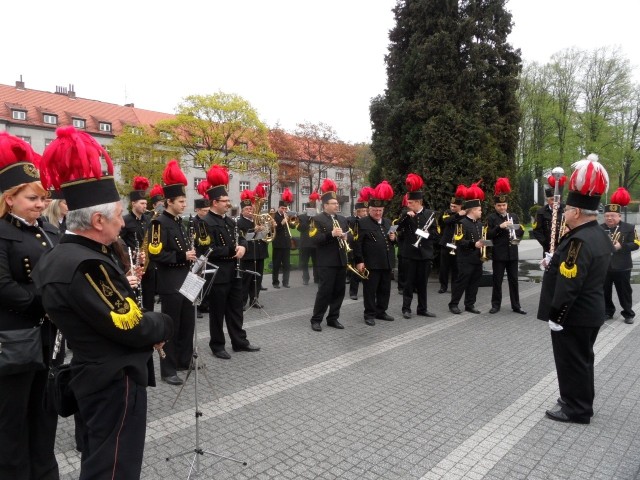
392,229
249,236
191,286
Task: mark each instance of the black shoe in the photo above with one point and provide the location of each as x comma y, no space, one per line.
520,311
246,348
472,309
335,324
628,320
427,313
494,310
199,314
223,354
442,290
353,297
286,286
316,327
561,402
257,305
386,317
455,310
560,416
172,380
406,315
276,286
263,288
370,321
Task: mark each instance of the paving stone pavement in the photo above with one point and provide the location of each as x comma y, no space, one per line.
457,396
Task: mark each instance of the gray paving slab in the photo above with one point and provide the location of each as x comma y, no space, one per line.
457,396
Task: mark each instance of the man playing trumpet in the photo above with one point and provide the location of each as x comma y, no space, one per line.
625,240
282,242
505,240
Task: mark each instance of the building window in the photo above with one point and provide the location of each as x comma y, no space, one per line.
264,169
24,139
323,174
136,131
19,114
79,123
339,176
165,136
341,192
305,190
243,165
105,127
50,119
196,182
244,185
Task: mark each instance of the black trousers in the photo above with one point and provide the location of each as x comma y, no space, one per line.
225,304
468,282
330,294
622,281
574,357
376,292
27,431
401,273
115,423
448,265
180,349
499,268
354,283
149,289
251,284
303,263
281,259
416,273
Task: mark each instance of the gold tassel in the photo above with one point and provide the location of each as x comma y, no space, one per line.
128,320
155,248
313,230
204,241
568,272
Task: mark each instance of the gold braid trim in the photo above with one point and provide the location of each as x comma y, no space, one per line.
203,236
128,320
125,314
155,247
312,228
569,268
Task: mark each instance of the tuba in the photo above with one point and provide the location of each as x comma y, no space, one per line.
264,220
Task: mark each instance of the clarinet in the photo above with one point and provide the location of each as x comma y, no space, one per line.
236,235
138,264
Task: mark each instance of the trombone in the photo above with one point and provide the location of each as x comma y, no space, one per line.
344,245
483,250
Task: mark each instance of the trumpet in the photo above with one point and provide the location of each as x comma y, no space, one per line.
615,235
344,245
513,238
483,250
457,235
423,232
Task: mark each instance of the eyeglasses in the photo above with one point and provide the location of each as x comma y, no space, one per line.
566,209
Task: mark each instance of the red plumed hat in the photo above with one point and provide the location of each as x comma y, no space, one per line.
619,199
382,194
365,194
414,185
139,190
314,197
405,199
218,178
329,190
174,180
588,182
246,198
474,196
18,162
502,190
287,196
203,186
74,162
259,191
459,197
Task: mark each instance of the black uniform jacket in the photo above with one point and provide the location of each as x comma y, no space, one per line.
621,259
257,249
408,226
283,237
134,230
373,246
21,247
542,226
471,233
222,231
304,223
88,297
572,287
448,221
328,250
502,249
168,244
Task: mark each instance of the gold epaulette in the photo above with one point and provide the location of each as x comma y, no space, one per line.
569,267
312,228
203,237
155,246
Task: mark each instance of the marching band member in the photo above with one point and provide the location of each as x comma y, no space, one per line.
134,232
172,249
202,240
572,298
469,253
505,247
542,225
448,221
417,251
330,234
27,429
361,211
306,249
282,242
87,295
400,242
625,240
374,250
228,248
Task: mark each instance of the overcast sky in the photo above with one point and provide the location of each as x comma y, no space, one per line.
293,60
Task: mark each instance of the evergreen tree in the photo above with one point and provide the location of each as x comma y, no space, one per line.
450,111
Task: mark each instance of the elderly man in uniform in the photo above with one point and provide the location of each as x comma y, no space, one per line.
625,240
572,298
88,297
542,225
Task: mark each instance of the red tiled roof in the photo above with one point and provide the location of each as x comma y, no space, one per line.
37,102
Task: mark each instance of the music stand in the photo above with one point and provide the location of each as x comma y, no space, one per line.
192,289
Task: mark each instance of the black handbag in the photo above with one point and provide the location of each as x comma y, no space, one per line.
58,396
21,351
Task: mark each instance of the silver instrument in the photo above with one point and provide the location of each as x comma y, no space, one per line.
423,232
513,238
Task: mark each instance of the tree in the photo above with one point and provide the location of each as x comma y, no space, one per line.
450,111
316,151
222,128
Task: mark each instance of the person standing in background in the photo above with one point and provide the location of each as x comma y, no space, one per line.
307,250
